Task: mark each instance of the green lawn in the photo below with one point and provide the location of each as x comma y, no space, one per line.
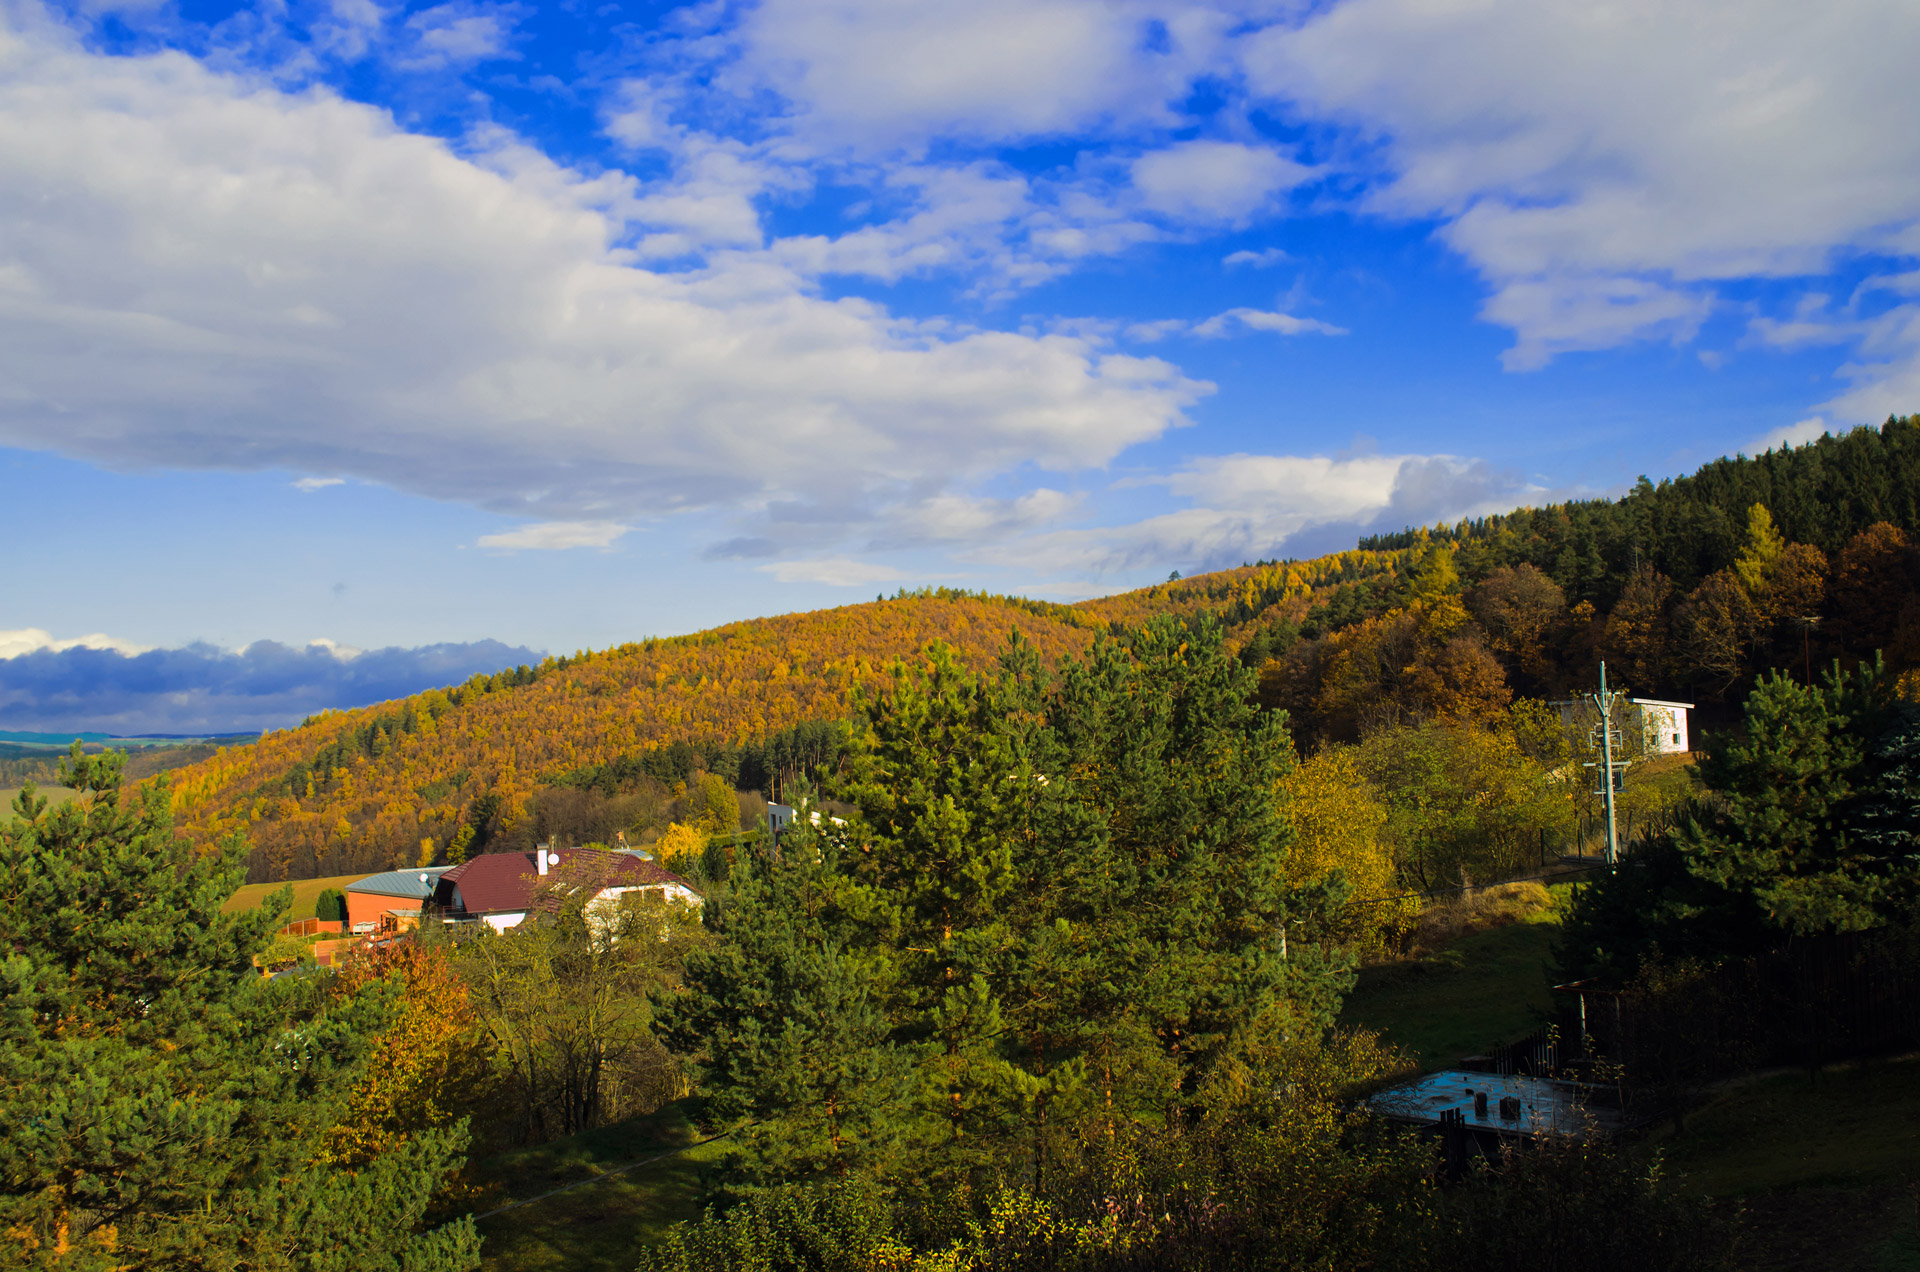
601,1226
1487,988
306,894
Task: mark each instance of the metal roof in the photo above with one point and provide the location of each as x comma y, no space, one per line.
412,884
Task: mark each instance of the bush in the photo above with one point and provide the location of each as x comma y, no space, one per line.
331,906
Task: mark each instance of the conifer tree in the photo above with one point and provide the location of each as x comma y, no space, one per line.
785,1017
165,1105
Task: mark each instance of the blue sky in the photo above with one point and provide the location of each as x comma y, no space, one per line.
393,326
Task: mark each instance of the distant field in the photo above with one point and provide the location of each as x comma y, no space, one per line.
306,894
54,795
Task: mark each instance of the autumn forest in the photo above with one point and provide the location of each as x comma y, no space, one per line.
1688,589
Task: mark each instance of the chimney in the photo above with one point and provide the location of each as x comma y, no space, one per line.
540,860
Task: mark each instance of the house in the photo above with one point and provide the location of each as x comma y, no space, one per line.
1661,725
370,901
501,888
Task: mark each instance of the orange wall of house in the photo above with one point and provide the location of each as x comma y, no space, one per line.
367,907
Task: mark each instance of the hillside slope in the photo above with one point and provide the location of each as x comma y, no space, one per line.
360,790
1447,623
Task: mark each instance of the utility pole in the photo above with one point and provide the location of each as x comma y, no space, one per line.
1604,700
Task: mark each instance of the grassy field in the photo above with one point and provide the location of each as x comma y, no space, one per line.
601,1226
54,795
1826,1169
306,893
1486,988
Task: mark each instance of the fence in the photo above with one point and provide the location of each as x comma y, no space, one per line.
1814,1001
312,927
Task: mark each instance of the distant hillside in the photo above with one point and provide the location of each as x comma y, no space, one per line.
1684,588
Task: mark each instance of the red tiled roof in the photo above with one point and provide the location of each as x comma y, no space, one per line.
502,882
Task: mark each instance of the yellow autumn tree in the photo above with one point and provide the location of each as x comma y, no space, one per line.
1338,826
680,847
430,1067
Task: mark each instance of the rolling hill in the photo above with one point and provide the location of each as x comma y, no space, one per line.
1444,622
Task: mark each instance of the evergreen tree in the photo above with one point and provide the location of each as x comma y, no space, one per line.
164,1104
1793,783
785,1017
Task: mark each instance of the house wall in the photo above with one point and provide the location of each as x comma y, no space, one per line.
501,922
1665,729
367,907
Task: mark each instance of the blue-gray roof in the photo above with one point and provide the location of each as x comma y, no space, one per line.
400,883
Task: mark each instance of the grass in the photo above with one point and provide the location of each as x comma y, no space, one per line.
1844,1127
306,894
1485,987
601,1225
54,795
1825,1169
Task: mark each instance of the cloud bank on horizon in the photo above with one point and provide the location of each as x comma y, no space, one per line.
69,685
823,293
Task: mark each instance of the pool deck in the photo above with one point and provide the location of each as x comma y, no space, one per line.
1532,1106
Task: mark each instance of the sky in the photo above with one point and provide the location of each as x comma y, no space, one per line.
404,329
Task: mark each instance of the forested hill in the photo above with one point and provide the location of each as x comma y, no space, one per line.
1688,589
1687,528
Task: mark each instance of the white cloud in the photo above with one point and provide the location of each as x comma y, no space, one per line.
952,518
1210,181
345,653
1243,507
879,75
549,536
201,270
307,485
27,640
1264,320
1797,434
456,34
1265,257
1604,165
833,571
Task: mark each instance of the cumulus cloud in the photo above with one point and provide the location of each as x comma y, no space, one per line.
28,640
1261,259
202,689
457,34
1604,166
1264,320
1787,435
202,270
833,571
550,536
1211,181
1243,507
884,75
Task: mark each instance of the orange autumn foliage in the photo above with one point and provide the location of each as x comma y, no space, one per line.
430,1066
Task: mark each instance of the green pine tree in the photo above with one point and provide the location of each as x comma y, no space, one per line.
1793,784
164,1104
785,1018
